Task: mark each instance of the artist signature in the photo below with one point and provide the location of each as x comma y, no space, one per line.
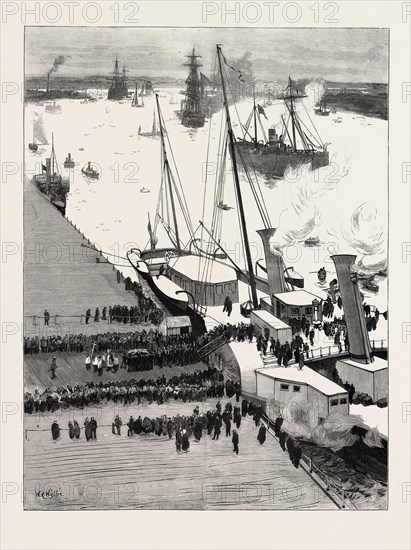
49,494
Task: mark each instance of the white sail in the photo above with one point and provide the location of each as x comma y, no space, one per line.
39,134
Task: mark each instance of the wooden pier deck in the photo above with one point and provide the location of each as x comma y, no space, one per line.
59,274
145,472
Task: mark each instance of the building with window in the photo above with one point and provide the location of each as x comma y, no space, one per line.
369,378
290,384
209,281
297,303
265,320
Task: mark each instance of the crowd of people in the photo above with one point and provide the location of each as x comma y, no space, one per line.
182,427
196,386
146,312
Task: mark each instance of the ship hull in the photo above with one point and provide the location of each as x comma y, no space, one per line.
275,164
115,94
59,194
193,120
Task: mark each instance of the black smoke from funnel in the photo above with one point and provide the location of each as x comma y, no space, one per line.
60,60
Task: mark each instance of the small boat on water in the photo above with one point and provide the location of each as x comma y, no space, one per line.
322,275
69,162
369,285
292,277
90,172
322,110
144,190
53,108
135,102
312,241
39,135
155,129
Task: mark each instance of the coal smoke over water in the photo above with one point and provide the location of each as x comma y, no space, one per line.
335,432
60,60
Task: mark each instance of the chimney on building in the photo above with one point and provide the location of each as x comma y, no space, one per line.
359,341
274,263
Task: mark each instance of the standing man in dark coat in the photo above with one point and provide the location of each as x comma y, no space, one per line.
88,315
46,317
217,426
235,439
237,416
228,424
87,429
93,428
198,431
97,315
261,434
130,425
55,431
283,439
244,407
53,367
178,440
76,430
290,448
71,430
297,454
277,425
185,443
118,423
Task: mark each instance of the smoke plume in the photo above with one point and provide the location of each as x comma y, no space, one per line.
367,236
335,432
60,60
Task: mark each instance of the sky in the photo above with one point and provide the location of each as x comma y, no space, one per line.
353,55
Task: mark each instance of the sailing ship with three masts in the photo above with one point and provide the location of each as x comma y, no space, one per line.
194,273
118,89
296,145
51,183
192,107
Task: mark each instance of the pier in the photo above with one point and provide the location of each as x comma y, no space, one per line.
60,274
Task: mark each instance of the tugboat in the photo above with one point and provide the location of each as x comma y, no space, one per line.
51,183
39,135
312,241
53,108
322,109
295,146
69,162
118,89
322,275
369,285
90,172
192,115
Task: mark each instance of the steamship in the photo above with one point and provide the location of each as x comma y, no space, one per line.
51,183
295,146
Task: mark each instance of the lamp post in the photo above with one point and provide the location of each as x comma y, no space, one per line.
316,309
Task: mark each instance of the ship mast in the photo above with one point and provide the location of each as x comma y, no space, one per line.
255,117
168,175
292,113
193,84
237,186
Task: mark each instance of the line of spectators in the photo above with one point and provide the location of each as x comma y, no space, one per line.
196,386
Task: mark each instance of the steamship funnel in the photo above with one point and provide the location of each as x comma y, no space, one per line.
359,342
274,263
